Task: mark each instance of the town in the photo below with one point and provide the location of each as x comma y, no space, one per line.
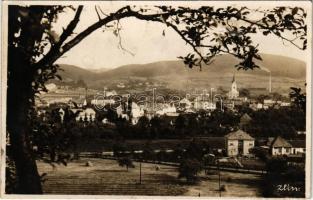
232,130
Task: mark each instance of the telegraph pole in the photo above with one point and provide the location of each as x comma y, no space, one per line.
219,177
140,172
270,83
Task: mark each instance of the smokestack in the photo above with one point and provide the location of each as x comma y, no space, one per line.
270,84
270,78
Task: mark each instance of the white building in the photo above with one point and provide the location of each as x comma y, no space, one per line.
136,112
167,109
233,93
185,103
109,93
208,105
88,113
279,146
51,87
102,102
238,143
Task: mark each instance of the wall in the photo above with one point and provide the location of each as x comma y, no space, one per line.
232,147
247,145
298,150
284,151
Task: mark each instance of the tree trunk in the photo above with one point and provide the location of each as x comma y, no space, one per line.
18,127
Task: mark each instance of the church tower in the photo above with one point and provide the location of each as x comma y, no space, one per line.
233,93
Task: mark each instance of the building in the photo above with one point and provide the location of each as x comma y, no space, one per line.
208,105
185,103
88,114
268,103
233,93
238,143
166,109
51,87
136,112
245,120
298,146
109,93
102,102
279,146
229,104
62,113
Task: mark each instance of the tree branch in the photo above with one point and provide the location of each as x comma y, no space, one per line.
66,33
58,50
124,12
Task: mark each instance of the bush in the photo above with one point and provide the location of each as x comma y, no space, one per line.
283,175
189,168
126,162
260,153
10,177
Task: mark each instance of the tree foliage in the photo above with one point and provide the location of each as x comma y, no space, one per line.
298,98
125,162
189,168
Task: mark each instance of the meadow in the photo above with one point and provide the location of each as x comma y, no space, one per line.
105,177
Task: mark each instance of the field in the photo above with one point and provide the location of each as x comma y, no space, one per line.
105,177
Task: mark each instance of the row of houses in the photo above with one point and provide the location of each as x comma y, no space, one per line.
240,143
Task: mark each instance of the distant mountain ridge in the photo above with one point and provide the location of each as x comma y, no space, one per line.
283,69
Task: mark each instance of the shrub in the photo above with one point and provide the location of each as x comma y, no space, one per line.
126,162
189,168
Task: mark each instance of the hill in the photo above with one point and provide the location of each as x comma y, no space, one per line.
278,65
74,73
285,71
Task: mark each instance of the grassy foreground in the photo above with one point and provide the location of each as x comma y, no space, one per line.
105,177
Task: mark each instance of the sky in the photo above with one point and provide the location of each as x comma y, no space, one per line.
143,41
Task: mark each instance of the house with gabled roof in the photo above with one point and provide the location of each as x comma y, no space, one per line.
238,143
245,119
279,146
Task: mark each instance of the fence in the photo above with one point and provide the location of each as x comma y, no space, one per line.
244,169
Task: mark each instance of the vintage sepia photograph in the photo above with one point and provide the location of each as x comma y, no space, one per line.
156,99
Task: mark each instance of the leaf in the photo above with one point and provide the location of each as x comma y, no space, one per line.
294,11
305,44
266,32
271,17
245,13
58,77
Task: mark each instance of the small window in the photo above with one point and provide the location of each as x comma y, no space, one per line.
231,144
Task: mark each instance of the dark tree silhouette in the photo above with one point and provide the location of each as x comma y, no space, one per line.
298,98
33,49
189,168
126,162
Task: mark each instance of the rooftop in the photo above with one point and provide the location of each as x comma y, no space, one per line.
239,135
280,142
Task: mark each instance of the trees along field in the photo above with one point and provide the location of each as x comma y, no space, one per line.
33,50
